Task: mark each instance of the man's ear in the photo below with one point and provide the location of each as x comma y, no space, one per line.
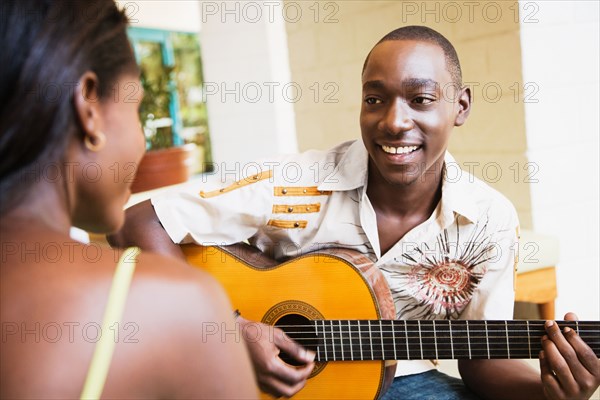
87,105
464,106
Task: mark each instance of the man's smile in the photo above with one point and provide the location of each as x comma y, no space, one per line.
399,150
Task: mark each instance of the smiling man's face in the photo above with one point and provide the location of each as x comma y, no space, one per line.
410,105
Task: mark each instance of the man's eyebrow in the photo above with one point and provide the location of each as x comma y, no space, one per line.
418,83
373,85
410,83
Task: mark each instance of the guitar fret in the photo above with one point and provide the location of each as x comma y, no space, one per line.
577,327
487,340
451,340
498,339
507,345
325,341
528,339
444,345
469,340
317,334
420,338
460,339
435,340
350,340
406,338
332,340
360,342
381,334
429,339
519,346
371,340
341,339
394,339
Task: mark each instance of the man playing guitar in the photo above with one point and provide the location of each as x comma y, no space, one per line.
441,237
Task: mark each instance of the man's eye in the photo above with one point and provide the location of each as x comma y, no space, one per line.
372,100
423,100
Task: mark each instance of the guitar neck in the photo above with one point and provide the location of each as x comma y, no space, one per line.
346,340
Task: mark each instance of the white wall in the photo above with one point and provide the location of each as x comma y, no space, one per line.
173,15
560,53
246,71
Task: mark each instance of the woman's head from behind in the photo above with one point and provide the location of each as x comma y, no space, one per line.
69,94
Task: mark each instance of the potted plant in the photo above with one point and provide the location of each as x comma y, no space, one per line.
164,163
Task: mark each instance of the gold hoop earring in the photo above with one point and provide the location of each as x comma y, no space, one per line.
95,142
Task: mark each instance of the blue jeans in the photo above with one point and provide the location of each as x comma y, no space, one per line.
430,385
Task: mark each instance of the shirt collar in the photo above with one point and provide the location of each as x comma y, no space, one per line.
351,173
457,191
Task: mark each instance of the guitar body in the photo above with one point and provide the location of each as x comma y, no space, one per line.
339,284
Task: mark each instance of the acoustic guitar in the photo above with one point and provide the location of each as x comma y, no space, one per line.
338,304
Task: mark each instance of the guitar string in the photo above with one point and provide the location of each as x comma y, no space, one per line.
289,328
454,323
446,353
430,334
500,341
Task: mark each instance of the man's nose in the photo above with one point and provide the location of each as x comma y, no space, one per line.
397,118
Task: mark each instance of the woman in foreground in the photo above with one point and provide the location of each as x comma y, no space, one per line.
77,320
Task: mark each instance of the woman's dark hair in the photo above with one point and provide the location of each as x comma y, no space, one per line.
47,45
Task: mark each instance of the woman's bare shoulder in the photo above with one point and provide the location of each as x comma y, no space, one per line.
170,332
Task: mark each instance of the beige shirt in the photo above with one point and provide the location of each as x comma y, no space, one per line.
459,264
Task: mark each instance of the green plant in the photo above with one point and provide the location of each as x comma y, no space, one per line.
154,110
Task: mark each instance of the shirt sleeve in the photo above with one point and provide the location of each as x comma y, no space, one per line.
494,297
215,212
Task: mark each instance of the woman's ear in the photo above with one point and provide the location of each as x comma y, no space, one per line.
87,106
464,106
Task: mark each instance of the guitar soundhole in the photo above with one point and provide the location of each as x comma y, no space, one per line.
301,330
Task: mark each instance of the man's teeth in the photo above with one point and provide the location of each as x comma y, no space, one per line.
399,150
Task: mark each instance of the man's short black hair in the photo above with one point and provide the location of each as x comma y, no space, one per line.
425,34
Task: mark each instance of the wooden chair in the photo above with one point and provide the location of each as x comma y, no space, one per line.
536,275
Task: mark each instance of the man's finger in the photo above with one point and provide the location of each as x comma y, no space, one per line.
293,349
584,353
279,389
558,365
571,317
288,374
566,349
551,385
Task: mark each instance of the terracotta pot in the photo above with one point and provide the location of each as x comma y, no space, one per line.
164,167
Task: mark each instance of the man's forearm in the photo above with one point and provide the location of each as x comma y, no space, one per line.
142,228
501,379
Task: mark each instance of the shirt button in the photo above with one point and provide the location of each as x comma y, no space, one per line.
284,191
296,224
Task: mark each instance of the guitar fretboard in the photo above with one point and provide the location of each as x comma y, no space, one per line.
345,340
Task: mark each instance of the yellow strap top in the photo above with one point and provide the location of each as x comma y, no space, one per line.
96,377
